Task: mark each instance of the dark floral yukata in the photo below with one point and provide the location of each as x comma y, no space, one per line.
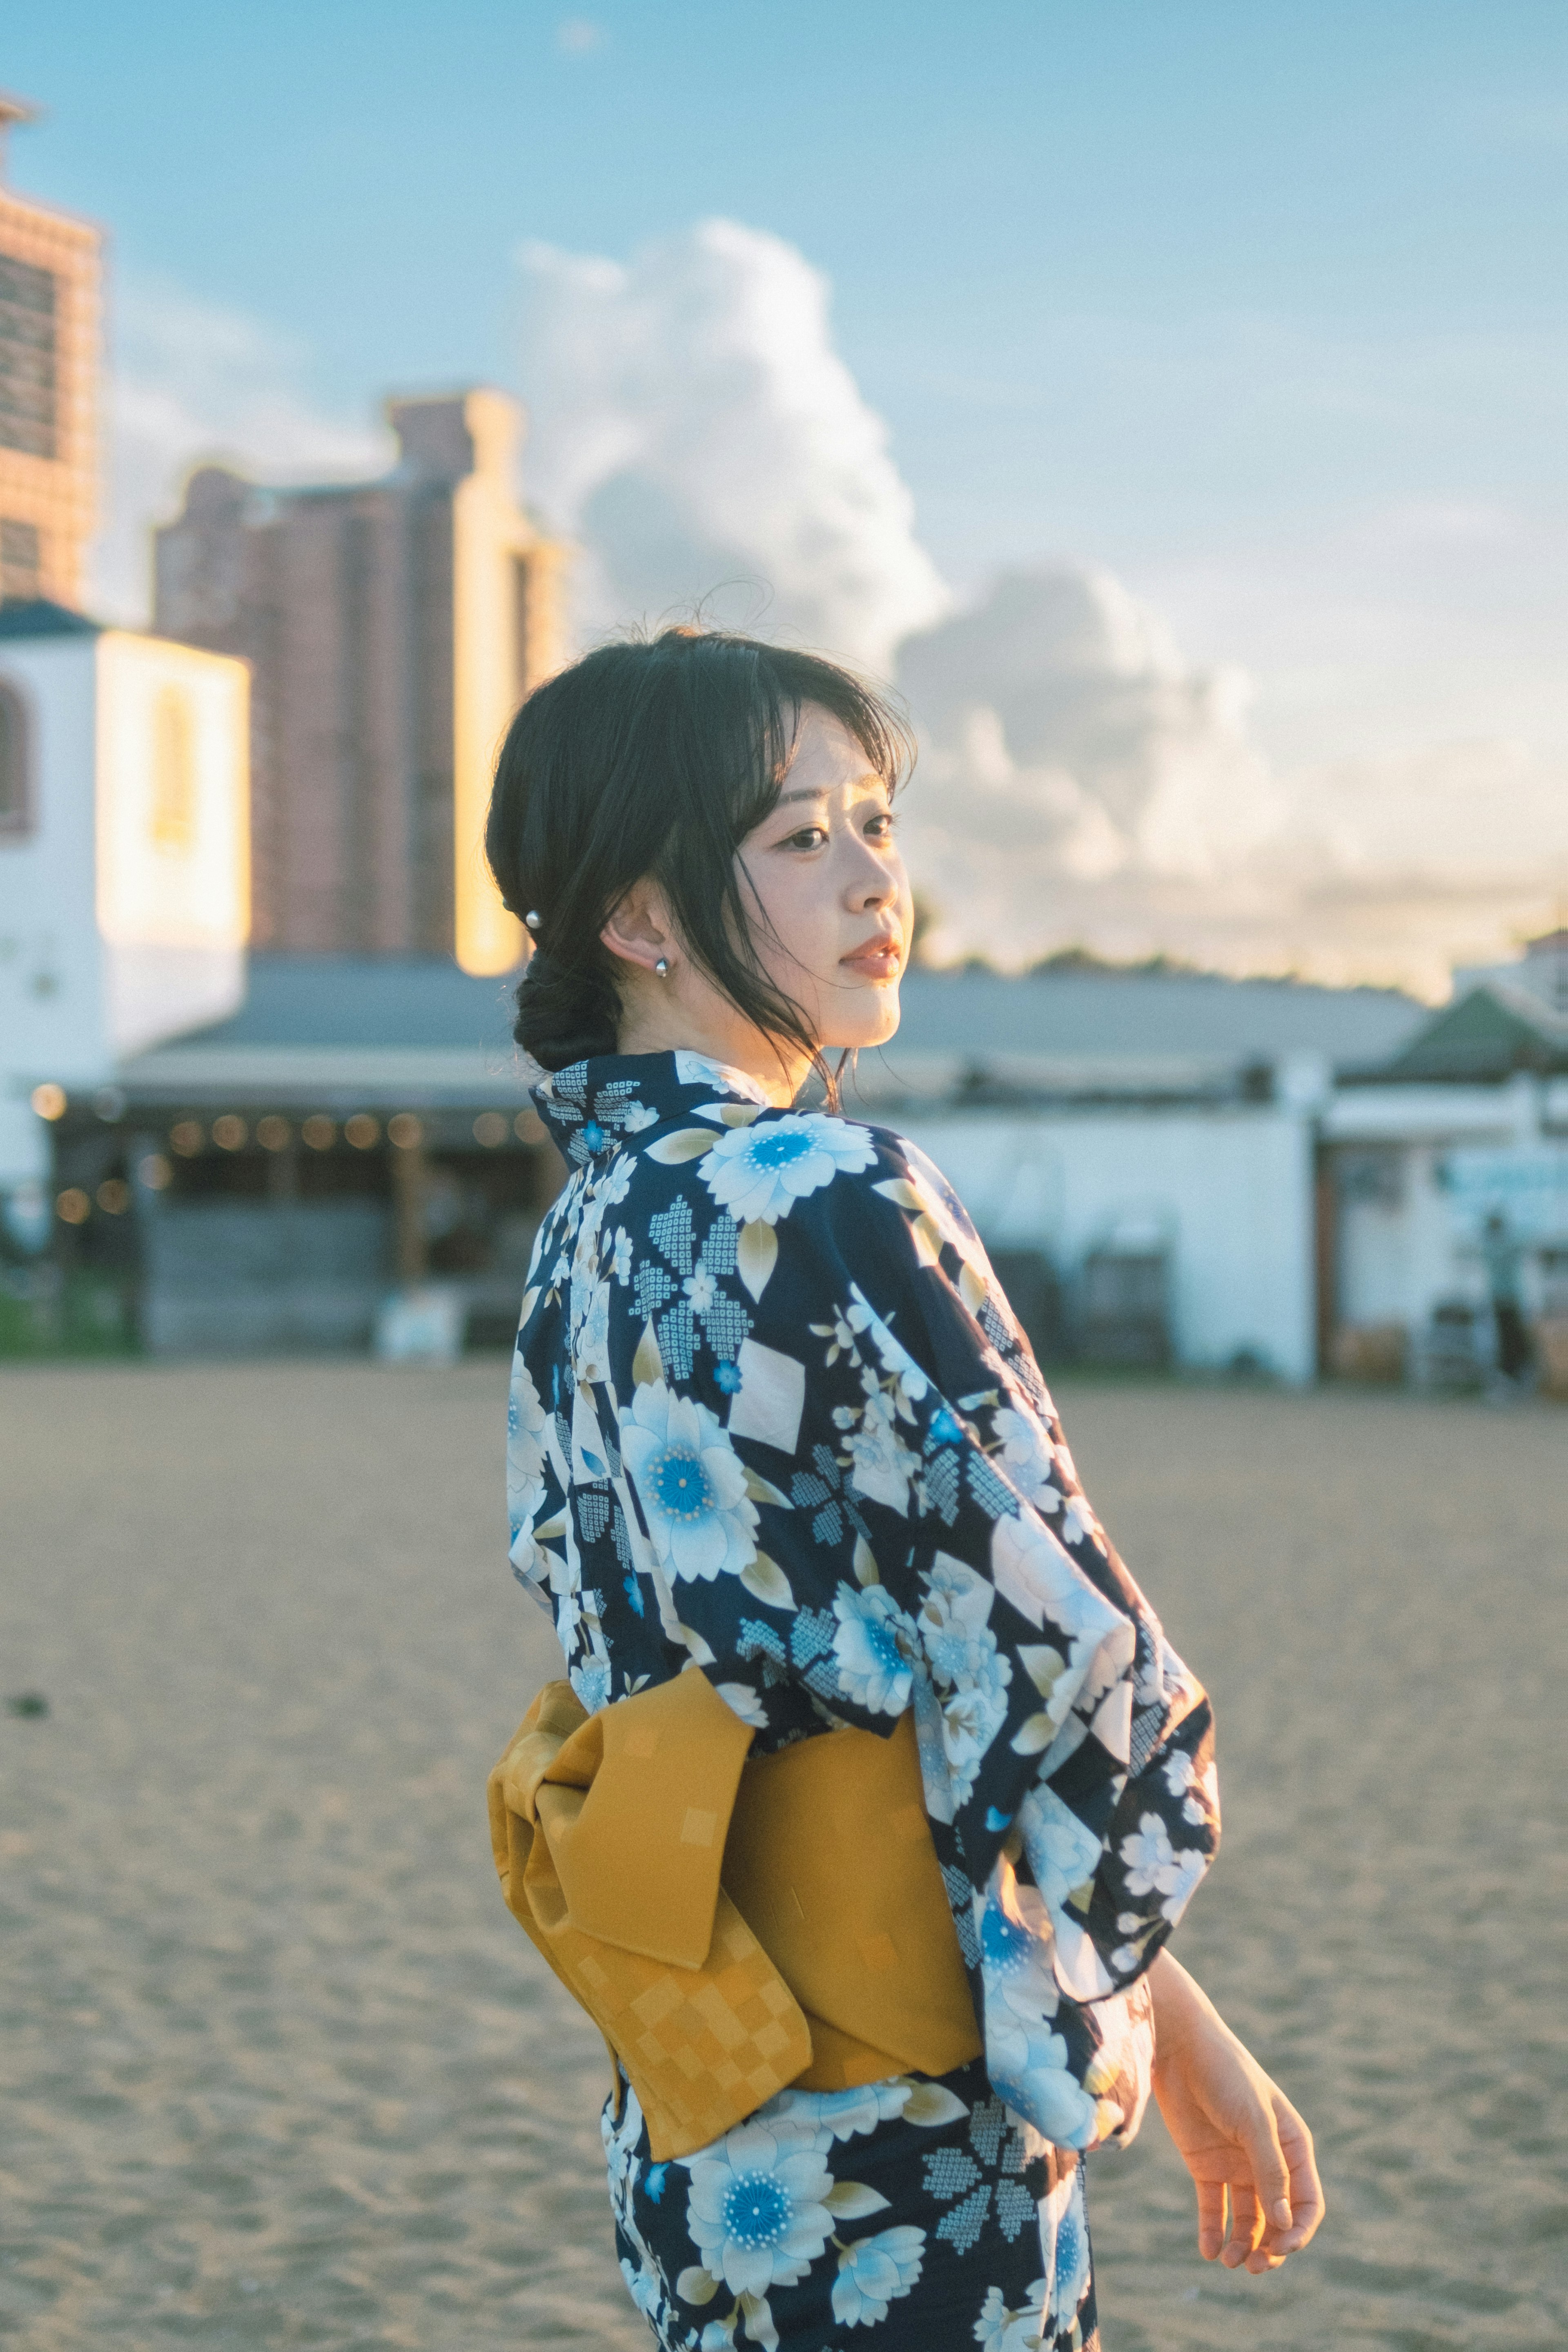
771,1417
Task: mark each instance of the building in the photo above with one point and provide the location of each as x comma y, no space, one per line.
124,890
1137,1151
1465,1128
391,627
1140,1153
1541,970
359,1124
49,391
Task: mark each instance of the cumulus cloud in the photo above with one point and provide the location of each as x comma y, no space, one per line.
194,381
695,429
1079,783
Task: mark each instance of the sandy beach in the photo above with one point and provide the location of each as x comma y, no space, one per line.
278,2069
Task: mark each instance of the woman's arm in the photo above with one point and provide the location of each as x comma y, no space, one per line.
1234,2128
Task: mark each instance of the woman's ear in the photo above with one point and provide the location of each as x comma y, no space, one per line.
639,929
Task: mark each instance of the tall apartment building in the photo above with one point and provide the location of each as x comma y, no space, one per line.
392,628
49,391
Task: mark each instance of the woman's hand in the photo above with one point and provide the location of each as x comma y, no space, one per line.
1236,2129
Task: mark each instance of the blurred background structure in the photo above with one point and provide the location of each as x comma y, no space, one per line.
256,1077
392,628
49,391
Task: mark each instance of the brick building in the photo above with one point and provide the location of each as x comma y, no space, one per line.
49,391
391,627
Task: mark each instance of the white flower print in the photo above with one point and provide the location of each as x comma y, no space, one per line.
617,1181
1063,1851
884,1465
874,1648
1042,1580
840,2115
1027,2061
760,1172
591,1344
874,2272
642,2284
971,1719
1026,1453
701,1289
690,1483
698,1070
524,1468
896,1357
1064,2228
969,1672
743,1700
591,1681
1199,1791
757,2212
1188,1876
1079,1521
997,2329
1150,1864
637,1116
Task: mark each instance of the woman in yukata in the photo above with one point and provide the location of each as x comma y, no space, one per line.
772,1417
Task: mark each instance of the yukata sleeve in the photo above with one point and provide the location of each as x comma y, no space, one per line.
938,1550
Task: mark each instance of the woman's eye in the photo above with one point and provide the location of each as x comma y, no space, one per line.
882,826
807,838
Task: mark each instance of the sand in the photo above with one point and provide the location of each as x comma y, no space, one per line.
278,2070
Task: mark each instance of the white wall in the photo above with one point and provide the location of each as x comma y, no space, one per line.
51,963
1396,1260
1229,1188
110,939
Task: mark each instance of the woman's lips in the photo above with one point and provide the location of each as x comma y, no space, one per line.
879,959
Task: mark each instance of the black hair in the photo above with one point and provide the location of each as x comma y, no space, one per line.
656,758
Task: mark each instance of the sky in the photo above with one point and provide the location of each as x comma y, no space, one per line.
1169,392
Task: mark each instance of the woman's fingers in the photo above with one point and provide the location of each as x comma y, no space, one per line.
1211,2217
1270,2184
1246,2225
1306,2193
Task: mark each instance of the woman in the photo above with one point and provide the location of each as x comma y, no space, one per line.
773,1419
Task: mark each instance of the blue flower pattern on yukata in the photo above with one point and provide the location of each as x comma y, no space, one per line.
771,1416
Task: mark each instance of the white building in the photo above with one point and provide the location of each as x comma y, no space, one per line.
124,891
1138,1149
1466,1126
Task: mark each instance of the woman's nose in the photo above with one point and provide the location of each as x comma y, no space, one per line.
872,884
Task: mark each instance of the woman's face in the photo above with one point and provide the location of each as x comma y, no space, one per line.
825,888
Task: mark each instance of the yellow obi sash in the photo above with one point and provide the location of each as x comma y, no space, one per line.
731,1927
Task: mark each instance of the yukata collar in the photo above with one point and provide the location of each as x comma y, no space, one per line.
593,1108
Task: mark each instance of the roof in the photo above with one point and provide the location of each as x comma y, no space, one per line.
331,1027
340,1031
347,1000
970,1038
36,616
1484,1037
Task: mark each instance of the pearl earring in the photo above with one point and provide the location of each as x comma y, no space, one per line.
532,919
662,968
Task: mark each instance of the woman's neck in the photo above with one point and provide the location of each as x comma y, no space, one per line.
779,1069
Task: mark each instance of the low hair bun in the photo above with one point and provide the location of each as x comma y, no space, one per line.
563,1016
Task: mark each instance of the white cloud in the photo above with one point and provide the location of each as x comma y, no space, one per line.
695,427
1080,785
577,37
193,382
1081,782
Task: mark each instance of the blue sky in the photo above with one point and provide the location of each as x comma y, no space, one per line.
1259,305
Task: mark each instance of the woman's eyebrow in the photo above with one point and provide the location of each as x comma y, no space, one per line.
820,791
